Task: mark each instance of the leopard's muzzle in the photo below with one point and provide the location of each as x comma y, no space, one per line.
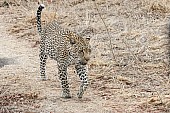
84,61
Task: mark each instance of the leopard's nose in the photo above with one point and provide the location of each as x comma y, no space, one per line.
83,63
87,58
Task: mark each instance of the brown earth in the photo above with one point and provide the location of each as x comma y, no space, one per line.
129,66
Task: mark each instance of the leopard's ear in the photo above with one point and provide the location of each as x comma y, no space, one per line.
72,38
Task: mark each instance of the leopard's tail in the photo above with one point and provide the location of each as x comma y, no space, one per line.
40,8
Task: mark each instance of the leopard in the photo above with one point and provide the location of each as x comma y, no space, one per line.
66,48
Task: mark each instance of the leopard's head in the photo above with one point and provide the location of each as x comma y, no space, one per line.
84,52
83,48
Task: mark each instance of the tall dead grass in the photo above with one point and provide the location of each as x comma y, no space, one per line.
133,59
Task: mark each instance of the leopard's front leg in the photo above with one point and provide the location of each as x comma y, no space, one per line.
82,72
64,83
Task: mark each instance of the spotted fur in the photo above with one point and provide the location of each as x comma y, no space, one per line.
67,48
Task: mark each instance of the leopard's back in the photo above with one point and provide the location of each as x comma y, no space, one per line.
55,39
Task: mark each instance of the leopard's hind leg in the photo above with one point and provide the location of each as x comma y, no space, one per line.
43,57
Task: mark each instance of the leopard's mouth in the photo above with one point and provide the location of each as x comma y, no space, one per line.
83,63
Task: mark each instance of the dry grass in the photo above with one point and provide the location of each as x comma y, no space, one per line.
138,75
17,102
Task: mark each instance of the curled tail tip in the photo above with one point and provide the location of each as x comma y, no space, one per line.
42,5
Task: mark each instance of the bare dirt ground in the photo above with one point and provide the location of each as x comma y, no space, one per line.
135,78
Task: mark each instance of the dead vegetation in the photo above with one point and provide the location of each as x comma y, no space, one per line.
131,66
16,102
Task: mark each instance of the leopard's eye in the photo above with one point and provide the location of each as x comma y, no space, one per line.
81,50
90,50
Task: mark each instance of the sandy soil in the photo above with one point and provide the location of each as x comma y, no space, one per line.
135,80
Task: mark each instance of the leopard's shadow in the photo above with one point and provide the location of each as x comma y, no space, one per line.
6,61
